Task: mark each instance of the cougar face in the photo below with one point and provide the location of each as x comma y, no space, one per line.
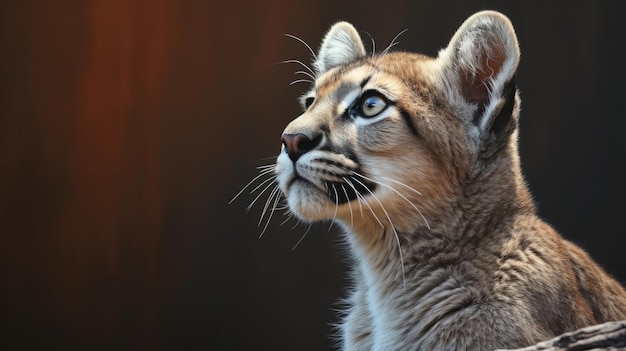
358,140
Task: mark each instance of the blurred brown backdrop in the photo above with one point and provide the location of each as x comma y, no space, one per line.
127,126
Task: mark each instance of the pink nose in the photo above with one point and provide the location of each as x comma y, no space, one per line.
298,144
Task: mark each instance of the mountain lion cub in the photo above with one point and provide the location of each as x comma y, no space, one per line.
416,158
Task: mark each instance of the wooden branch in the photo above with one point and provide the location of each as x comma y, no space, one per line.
605,336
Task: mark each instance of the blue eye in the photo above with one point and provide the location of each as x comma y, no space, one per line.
371,104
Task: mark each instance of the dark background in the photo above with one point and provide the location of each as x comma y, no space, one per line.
127,126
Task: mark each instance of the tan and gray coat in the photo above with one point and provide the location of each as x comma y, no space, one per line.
416,158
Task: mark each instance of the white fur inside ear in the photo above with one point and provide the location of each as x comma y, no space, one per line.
342,44
482,57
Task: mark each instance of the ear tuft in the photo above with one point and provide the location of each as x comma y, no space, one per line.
482,57
342,44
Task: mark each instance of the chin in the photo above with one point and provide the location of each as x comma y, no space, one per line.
310,204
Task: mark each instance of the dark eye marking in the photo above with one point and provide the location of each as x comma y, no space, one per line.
370,104
409,121
365,81
308,101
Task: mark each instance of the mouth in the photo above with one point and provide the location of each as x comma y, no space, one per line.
351,189
338,192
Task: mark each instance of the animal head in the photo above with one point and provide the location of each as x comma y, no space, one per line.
398,135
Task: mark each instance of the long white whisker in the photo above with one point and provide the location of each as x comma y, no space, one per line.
302,64
404,185
302,237
336,207
269,217
270,168
295,225
392,228
357,195
306,74
398,193
267,203
301,81
265,159
349,206
289,216
393,41
266,167
258,196
391,45
305,44
263,183
362,199
373,45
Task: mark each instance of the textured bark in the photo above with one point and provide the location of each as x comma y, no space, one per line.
606,336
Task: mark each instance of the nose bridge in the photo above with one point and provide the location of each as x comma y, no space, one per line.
308,124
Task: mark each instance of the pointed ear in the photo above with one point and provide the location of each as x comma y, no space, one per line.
342,44
480,61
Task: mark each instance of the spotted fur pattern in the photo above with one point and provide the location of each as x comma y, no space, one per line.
416,158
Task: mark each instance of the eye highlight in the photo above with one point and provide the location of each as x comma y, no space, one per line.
370,104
